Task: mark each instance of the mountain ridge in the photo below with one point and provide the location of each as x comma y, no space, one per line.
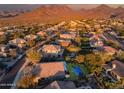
56,13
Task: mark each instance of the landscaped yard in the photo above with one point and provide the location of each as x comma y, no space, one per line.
70,68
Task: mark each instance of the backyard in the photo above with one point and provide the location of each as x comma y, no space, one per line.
76,70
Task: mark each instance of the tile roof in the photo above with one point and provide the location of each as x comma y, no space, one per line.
42,33
119,69
50,69
109,49
61,85
51,48
1,33
17,41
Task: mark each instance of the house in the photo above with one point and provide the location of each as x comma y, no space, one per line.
96,43
7,50
112,33
52,51
50,70
42,33
61,85
18,42
30,37
67,36
109,50
3,48
74,33
94,36
64,43
114,70
2,33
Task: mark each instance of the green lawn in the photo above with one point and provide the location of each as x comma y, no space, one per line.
70,67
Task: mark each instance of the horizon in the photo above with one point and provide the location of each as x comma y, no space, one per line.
34,6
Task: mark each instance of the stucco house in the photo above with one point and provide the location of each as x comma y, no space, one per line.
18,42
109,50
61,85
67,36
114,70
42,33
63,43
52,51
50,70
30,37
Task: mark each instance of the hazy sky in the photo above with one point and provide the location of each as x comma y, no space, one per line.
31,6
88,6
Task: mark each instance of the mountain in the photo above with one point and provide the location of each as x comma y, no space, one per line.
118,12
102,11
47,13
56,13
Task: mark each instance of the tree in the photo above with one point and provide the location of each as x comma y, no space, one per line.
94,61
31,43
80,58
78,40
34,56
13,53
18,35
90,58
120,29
73,48
67,58
120,55
112,85
3,39
85,39
89,62
26,82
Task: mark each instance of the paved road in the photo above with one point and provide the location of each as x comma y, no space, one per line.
9,77
7,81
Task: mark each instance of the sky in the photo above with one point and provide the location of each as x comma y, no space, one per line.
89,6
33,6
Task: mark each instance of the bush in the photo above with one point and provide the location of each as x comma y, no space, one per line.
34,56
26,82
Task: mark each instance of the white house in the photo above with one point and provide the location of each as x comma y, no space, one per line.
52,51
